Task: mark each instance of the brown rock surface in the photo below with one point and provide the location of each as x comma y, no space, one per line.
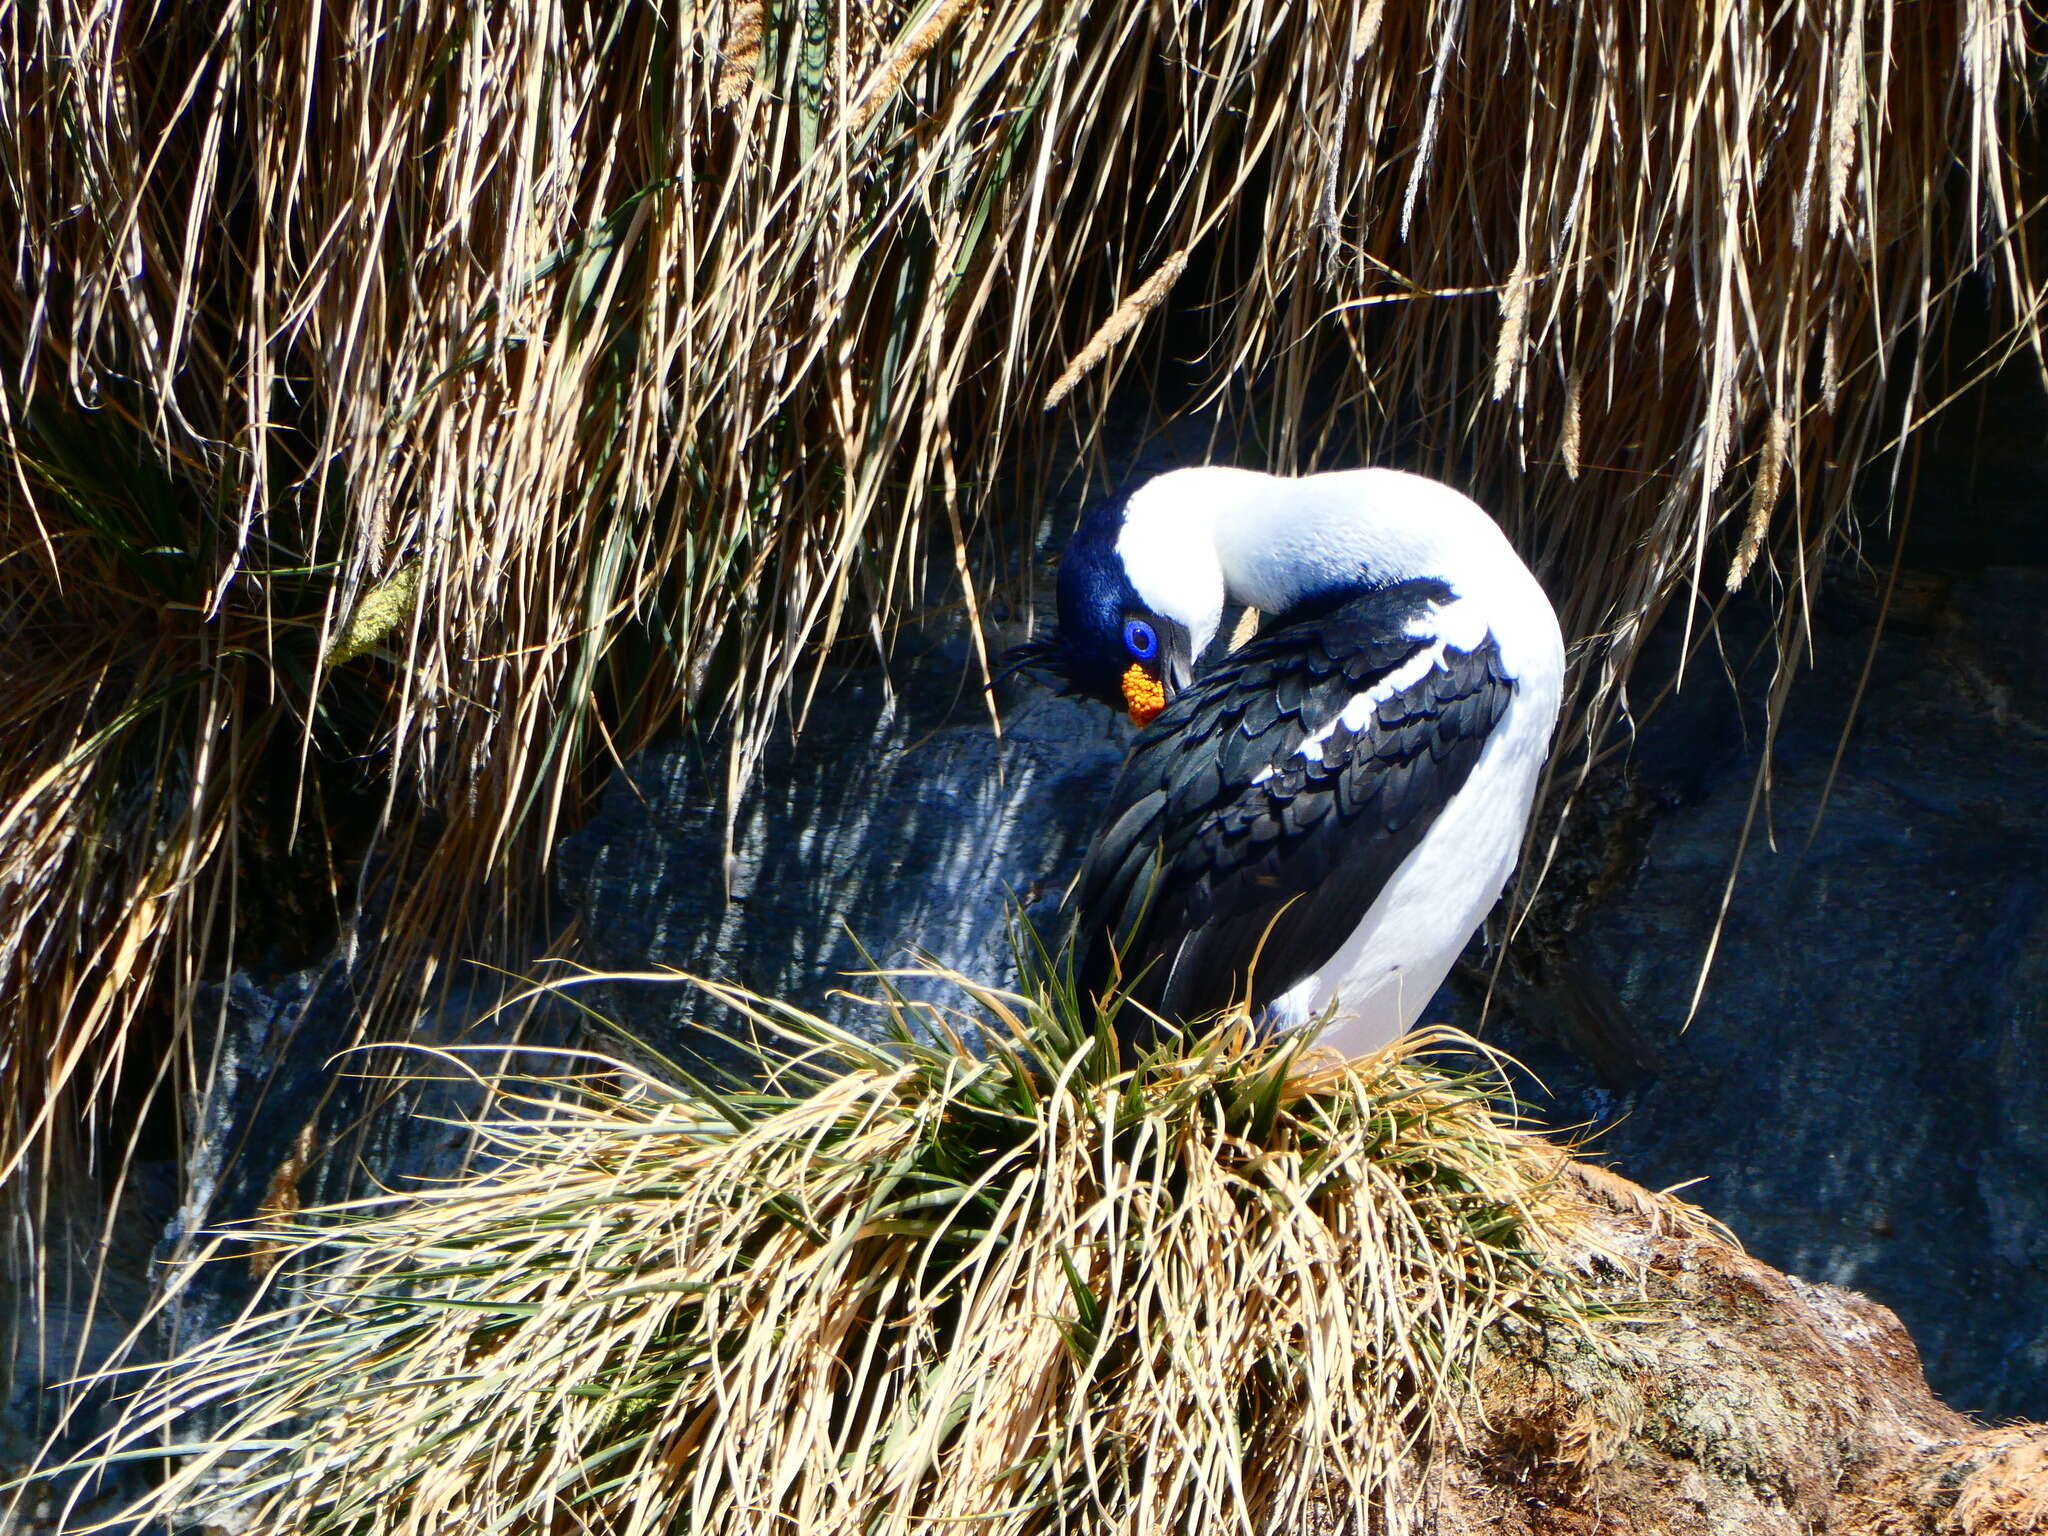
1727,1397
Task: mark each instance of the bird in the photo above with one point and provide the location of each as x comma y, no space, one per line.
1315,823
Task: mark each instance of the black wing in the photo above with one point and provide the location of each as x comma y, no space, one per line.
1205,864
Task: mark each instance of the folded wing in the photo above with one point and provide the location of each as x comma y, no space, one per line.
1262,813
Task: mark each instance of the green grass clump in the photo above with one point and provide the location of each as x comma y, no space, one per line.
896,1287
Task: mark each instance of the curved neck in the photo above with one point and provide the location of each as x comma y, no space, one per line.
1356,529
1201,537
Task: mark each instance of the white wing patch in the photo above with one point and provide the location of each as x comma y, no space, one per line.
1358,710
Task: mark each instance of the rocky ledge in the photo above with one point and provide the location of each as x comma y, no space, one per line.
1727,1397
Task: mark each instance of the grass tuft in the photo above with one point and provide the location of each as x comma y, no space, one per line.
410,409
896,1286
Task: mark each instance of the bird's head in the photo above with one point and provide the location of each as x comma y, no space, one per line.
1130,622
1144,581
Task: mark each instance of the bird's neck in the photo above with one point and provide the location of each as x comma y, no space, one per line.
1210,535
1217,534
1280,541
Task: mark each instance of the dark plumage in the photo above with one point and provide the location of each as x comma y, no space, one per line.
1224,841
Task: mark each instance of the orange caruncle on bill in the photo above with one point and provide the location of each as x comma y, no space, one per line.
1144,694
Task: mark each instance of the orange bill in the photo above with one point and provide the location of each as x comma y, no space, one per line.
1144,694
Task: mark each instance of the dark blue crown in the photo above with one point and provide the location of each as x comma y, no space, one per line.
1086,655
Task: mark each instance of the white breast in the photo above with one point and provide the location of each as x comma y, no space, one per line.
1382,977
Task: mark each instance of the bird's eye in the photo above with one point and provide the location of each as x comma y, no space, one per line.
1140,639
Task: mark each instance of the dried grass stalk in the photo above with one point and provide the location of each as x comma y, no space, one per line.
1763,499
740,67
1023,1294
297,291
923,38
1129,315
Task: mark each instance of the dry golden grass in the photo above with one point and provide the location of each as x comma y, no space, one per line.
1028,1291
649,349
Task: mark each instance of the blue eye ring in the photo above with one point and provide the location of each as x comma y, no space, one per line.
1140,639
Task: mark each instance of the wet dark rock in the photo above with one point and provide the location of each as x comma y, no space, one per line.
291,1119
899,825
298,1115
1863,1090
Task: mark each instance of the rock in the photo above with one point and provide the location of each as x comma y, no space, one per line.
1728,1398
1864,1088
899,825
296,1118
95,1277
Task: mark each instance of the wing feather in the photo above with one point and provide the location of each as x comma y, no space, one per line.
1234,835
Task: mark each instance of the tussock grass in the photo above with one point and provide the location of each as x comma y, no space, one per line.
901,1287
410,407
